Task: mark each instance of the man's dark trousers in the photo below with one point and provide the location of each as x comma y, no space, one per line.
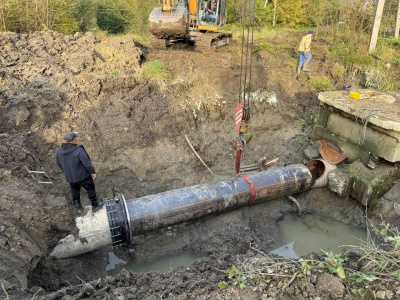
88,185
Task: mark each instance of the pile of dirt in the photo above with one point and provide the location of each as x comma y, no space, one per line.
133,130
47,83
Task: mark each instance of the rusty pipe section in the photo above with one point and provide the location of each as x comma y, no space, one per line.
132,217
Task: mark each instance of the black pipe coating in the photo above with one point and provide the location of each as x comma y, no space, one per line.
148,213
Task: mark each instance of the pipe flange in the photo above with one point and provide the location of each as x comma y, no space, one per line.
117,220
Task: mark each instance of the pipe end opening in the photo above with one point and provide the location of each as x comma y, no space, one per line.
316,167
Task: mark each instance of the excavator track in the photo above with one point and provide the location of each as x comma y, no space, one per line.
202,41
208,40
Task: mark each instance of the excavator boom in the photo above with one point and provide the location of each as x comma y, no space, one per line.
168,4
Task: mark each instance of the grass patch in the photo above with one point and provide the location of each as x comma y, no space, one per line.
385,51
383,77
321,84
265,33
391,42
156,71
380,265
100,34
359,57
351,53
263,46
338,71
141,38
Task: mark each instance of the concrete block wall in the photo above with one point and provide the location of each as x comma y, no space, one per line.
356,138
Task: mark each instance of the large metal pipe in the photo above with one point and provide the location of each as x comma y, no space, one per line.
131,217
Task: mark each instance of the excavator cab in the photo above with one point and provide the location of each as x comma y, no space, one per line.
211,14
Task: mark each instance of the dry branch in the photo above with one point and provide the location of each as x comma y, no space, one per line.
4,289
198,156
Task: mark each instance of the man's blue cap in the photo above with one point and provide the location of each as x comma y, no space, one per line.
311,32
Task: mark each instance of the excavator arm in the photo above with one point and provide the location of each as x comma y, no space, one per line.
167,4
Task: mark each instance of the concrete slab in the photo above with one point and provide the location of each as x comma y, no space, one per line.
381,109
360,127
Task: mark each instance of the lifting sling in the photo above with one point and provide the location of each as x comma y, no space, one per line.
242,117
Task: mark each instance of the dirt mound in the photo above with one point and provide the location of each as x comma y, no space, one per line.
47,81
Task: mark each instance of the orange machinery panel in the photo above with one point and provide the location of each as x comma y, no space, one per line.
192,6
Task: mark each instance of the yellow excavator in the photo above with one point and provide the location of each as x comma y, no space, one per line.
196,22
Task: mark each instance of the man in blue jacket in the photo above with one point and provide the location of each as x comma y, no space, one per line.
78,170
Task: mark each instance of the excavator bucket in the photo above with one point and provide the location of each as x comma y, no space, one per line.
169,24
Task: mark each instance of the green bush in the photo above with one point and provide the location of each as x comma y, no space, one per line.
137,16
321,84
263,46
351,53
110,21
262,15
84,15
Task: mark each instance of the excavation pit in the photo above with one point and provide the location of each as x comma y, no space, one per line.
134,131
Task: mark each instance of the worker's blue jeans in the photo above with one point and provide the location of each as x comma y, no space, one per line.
212,14
306,55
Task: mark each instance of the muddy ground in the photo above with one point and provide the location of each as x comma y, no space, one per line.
133,129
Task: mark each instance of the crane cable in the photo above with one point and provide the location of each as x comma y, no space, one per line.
243,107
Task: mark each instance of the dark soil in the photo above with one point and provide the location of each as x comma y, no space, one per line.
133,129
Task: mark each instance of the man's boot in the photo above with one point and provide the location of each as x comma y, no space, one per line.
96,205
78,206
298,69
305,67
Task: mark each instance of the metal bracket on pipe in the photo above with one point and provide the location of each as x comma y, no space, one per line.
118,220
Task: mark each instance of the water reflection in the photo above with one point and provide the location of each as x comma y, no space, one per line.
164,264
300,236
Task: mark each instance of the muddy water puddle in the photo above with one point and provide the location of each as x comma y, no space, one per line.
300,236
163,264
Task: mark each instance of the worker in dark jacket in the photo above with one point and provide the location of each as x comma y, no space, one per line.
78,170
